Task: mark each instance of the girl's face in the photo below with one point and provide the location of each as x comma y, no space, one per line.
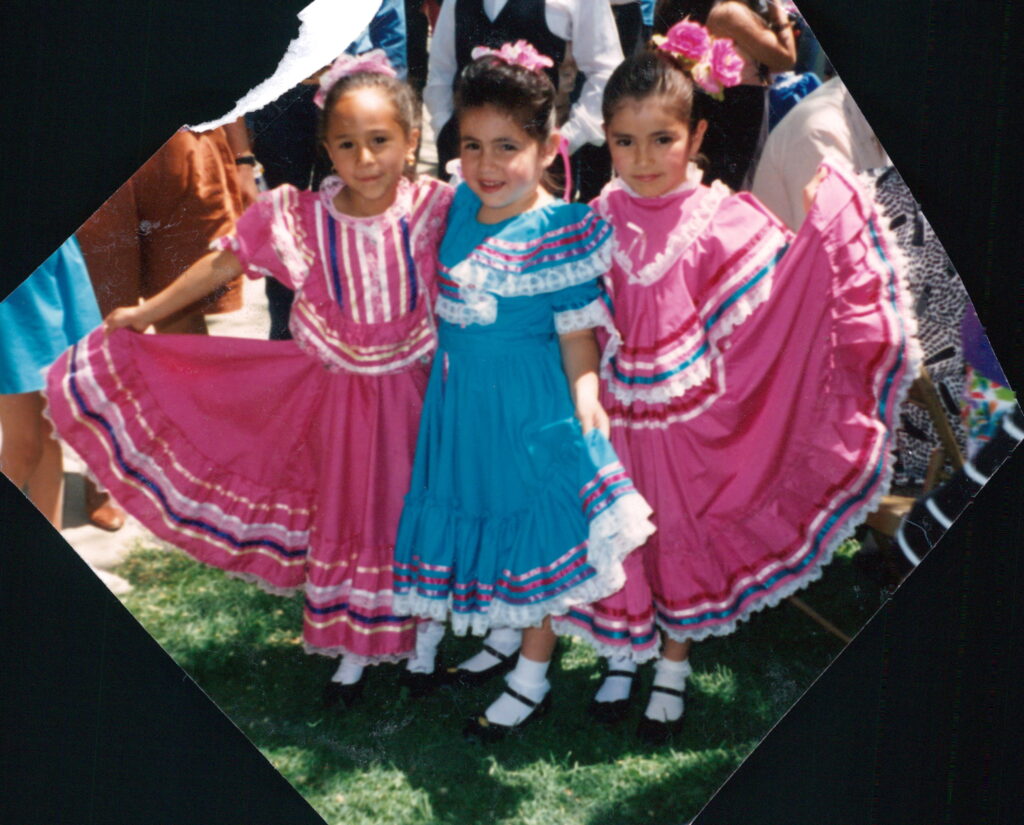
501,163
650,146
369,150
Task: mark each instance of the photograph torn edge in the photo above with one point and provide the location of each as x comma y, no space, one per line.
326,28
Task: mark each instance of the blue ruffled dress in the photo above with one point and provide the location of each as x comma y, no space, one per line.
47,313
512,513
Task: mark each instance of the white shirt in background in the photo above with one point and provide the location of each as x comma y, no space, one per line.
826,123
587,24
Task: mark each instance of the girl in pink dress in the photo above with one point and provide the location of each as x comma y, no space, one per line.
286,462
751,379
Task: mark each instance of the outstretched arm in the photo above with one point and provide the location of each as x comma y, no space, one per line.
205,275
580,360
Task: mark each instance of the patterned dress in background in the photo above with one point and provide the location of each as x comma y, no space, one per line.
940,301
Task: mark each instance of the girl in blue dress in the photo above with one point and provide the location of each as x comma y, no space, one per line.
48,312
518,508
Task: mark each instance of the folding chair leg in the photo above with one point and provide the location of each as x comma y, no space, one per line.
817,617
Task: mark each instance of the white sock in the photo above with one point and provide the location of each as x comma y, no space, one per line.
428,637
503,639
348,672
664,707
616,688
529,678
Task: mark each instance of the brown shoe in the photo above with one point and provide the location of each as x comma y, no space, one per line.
108,517
103,513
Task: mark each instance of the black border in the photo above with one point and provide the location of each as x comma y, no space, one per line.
917,720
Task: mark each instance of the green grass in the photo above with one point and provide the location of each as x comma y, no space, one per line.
394,759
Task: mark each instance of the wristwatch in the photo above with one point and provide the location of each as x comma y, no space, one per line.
245,160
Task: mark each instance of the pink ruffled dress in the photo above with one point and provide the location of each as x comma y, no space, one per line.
282,462
752,382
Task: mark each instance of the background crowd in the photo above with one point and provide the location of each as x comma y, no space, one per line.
767,134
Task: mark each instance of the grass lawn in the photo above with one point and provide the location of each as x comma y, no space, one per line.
394,759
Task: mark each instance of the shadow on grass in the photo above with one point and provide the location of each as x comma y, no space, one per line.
393,759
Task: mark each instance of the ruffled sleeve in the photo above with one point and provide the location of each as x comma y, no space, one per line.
267,238
583,306
431,201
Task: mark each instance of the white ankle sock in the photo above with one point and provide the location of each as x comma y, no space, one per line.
529,678
616,688
428,637
348,672
667,674
503,639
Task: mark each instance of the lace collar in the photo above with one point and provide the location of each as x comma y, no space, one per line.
630,249
332,185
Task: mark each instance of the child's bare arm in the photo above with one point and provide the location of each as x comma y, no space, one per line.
205,275
581,360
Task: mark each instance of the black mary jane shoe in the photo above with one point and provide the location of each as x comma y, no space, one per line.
419,684
457,677
335,693
654,731
610,713
482,729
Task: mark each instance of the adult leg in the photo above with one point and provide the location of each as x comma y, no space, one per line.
29,456
101,509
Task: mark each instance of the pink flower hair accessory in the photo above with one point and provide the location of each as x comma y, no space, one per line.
519,53
375,62
713,62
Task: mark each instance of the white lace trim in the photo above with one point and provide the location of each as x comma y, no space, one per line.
483,312
612,535
679,239
700,370
400,207
567,627
309,342
476,276
356,658
912,353
594,314
480,294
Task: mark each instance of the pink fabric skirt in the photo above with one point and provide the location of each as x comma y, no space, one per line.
752,495
252,457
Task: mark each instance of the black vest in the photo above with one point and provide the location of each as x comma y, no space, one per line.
519,20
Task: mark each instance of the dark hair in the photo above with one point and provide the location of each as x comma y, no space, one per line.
653,73
407,108
526,96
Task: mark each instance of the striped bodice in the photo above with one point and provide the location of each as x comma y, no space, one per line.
363,285
675,302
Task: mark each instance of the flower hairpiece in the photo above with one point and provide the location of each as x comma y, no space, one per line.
375,62
519,53
713,62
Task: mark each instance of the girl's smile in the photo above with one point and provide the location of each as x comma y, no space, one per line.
501,163
369,150
651,147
